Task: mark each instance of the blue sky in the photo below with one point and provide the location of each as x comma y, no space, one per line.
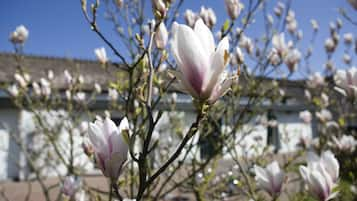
58,28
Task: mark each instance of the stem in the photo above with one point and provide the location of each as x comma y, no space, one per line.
192,131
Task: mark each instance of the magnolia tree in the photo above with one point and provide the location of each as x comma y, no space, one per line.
219,66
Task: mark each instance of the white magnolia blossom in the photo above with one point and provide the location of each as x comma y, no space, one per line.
353,3
270,178
348,38
161,36
346,81
190,17
70,186
20,35
101,55
279,45
321,175
83,127
237,57
307,94
292,59
80,97
45,87
324,115
20,80
278,10
246,43
36,89
200,63
345,143
97,88
68,77
233,7
306,116
208,16
330,45
315,25
347,59
315,80
50,75
13,90
113,94
109,145
274,57
325,100
160,6
68,94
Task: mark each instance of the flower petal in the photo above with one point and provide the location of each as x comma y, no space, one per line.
205,36
217,66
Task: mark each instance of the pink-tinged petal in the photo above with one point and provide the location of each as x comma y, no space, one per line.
114,165
119,145
220,90
124,125
318,185
97,138
194,62
186,87
218,64
205,36
331,164
101,163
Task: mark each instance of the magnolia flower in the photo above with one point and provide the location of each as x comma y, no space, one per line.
101,55
45,87
80,97
315,25
208,16
20,35
347,59
50,75
160,6
109,145
330,45
324,115
270,178
190,17
292,26
68,94
234,7
201,64
292,60
161,36
315,80
353,3
68,77
237,57
346,81
98,88
246,43
113,94
20,80
305,116
274,57
307,94
345,143
348,38
321,175
278,10
13,90
70,186
279,45
36,89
